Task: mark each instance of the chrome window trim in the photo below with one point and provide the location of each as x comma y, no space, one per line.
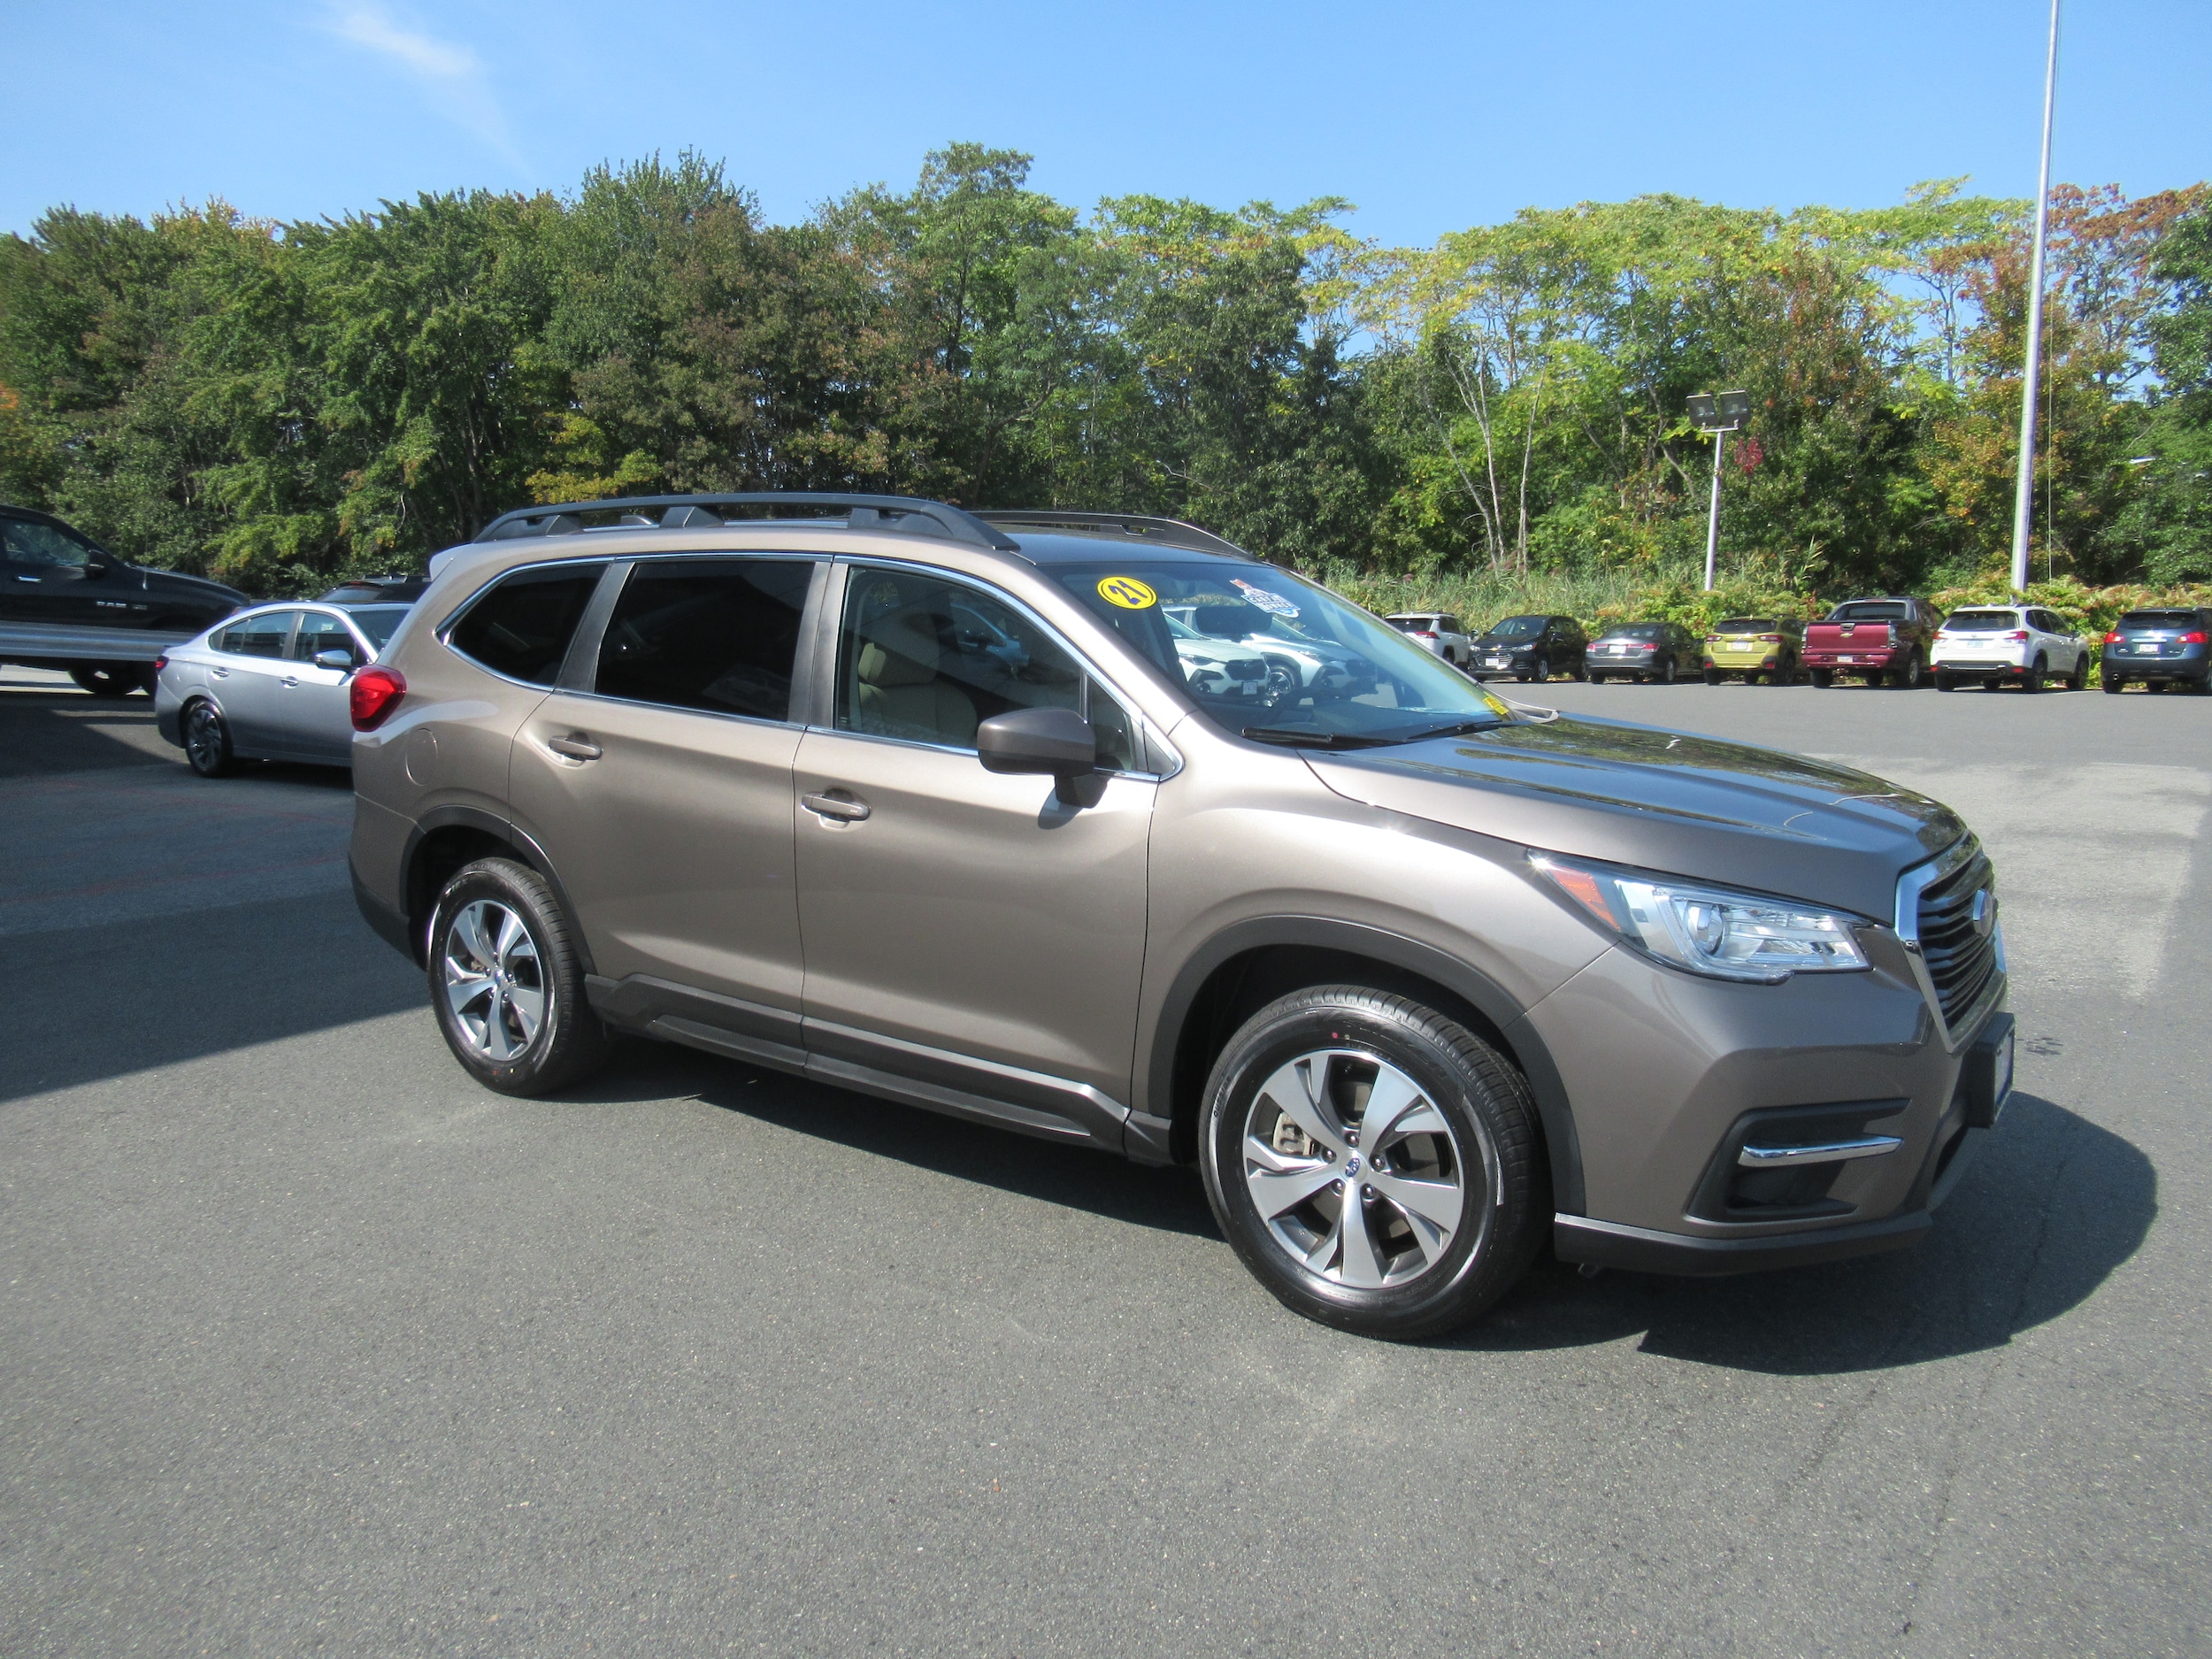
1146,733
1910,886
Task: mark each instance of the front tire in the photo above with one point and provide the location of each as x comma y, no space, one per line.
1374,1163
507,982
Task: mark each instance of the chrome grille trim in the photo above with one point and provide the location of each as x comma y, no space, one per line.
1959,970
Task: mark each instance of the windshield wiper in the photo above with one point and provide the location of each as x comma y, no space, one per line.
1312,737
1458,728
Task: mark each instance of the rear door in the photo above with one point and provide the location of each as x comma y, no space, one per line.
977,931
248,683
658,779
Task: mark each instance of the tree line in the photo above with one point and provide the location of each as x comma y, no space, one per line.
277,404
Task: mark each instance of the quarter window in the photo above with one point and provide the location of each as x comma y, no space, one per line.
719,634
522,626
262,635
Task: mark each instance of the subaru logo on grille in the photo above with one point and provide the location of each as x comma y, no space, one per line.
1984,915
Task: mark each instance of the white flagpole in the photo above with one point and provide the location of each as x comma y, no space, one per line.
2023,494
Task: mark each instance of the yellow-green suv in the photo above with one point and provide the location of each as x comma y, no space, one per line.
1753,646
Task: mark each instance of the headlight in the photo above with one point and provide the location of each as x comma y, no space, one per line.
1709,930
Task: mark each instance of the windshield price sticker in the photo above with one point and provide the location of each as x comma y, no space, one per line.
1272,602
1128,593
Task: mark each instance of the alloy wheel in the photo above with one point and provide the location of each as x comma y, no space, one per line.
495,982
204,738
1357,1175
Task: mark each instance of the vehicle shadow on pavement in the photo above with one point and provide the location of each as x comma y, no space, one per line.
57,730
1077,1177
2053,1205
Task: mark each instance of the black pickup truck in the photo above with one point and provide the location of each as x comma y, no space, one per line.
68,603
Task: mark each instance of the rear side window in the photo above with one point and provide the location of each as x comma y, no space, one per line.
257,636
521,628
719,634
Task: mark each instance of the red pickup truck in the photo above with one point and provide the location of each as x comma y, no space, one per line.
1879,639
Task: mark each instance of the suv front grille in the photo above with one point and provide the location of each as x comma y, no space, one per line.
1961,959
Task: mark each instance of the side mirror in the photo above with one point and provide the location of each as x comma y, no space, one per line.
342,661
1057,742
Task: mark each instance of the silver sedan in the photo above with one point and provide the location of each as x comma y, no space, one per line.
270,684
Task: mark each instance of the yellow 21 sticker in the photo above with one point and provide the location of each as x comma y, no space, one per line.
1128,593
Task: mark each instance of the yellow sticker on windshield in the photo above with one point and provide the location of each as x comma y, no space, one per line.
1128,593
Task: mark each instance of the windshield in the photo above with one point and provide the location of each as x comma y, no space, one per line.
1272,655
1964,619
378,622
1516,628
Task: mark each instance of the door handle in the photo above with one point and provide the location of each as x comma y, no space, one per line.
844,807
576,746
289,680
220,673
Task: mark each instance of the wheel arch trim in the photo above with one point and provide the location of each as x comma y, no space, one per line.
1524,1046
501,829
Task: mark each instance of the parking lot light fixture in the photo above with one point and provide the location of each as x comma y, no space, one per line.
1718,413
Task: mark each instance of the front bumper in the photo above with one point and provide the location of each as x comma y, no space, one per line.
1693,1100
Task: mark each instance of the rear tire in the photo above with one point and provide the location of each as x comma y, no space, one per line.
2114,684
1945,682
1448,1199
2078,681
1712,676
1822,678
207,739
1667,674
113,679
2038,672
507,983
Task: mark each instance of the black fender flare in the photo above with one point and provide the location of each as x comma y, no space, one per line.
1411,956
504,829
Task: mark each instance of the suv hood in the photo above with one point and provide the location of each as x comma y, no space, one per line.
1683,805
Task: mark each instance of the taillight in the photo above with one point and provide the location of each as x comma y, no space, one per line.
1769,639
2017,633
2112,639
2193,638
1423,633
161,662
372,692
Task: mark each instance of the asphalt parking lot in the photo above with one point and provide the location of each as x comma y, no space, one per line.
308,1344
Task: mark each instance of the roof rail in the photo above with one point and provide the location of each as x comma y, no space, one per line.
1167,532
907,513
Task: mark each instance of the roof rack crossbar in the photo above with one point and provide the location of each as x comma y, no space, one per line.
908,513
1150,527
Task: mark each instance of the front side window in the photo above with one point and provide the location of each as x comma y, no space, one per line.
522,626
42,546
261,635
1273,656
716,634
927,659
320,632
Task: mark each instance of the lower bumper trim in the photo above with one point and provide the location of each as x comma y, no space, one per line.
1646,1251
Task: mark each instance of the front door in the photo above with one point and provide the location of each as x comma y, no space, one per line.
951,915
661,792
54,578
313,703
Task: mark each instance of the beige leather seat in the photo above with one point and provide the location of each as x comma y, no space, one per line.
899,691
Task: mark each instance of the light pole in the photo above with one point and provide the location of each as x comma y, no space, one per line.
1718,413
2023,493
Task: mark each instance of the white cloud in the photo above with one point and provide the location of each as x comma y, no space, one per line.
449,72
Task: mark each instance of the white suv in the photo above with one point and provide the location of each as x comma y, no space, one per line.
1438,632
2020,645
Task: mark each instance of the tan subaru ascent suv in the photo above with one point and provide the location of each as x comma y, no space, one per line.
927,805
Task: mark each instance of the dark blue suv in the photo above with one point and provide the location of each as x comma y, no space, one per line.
2161,648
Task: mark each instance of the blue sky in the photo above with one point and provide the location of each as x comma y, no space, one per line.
1429,117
